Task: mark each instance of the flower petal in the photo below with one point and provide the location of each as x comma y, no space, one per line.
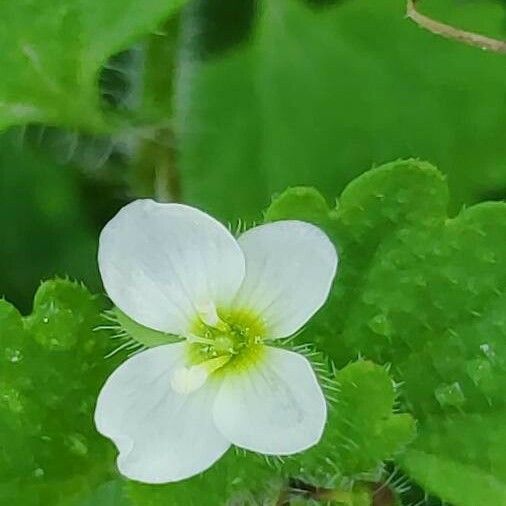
275,408
290,266
163,263
162,436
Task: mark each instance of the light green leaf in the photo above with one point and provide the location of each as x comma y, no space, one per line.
461,457
52,52
362,430
300,203
109,494
52,367
240,475
425,293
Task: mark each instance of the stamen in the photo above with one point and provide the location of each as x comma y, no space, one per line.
215,363
235,337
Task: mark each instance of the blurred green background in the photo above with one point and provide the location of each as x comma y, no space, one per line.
231,101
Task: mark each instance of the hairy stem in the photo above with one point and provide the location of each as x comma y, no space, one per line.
155,172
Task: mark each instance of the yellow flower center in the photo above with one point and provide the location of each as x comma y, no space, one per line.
236,339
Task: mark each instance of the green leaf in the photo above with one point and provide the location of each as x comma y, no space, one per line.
109,494
300,203
53,51
425,293
362,429
371,432
52,367
237,474
316,96
462,457
46,222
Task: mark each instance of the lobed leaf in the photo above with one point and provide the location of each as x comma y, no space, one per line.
426,294
52,366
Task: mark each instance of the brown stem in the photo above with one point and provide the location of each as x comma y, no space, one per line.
299,488
450,32
380,493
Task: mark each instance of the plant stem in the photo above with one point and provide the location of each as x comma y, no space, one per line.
450,32
154,172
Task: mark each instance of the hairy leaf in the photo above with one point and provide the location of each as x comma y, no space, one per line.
52,366
425,293
52,52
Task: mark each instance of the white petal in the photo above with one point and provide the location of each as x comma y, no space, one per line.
185,380
163,263
162,436
290,266
275,408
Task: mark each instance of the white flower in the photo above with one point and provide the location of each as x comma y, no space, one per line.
174,410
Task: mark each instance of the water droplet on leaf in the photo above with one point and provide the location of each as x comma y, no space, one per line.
488,351
11,398
479,370
76,443
450,395
38,473
380,325
13,355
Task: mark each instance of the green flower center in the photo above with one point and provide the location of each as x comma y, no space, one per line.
237,339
